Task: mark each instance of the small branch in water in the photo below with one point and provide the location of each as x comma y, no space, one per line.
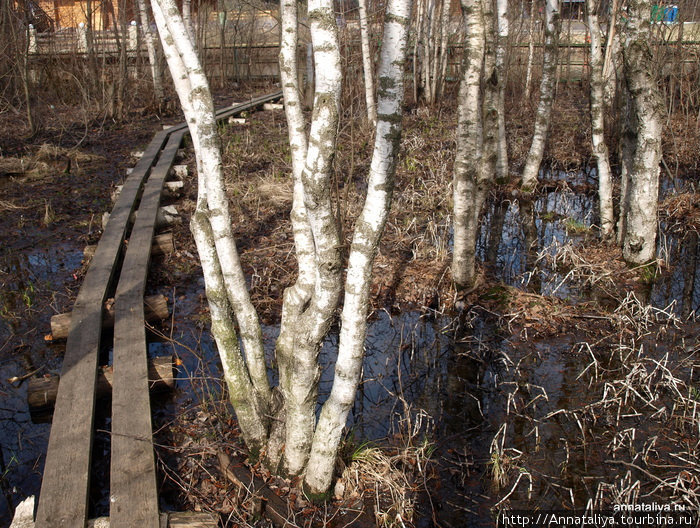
20,379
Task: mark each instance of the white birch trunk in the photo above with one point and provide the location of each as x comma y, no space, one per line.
430,39
299,378
150,38
612,56
246,377
530,52
502,72
444,45
639,244
600,148
367,64
417,42
189,25
469,145
547,85
368,231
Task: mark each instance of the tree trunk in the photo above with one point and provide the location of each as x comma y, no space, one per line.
612,53
282,421
367,64
150,38
600,148
547,84
189,25
530,52
246,377
639,244
502,72
368,231
122,79
444,49
469,144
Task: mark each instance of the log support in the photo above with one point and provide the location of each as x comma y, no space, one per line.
156,309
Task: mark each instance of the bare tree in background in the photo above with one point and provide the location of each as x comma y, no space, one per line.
547,88
600,147
152,49
367,64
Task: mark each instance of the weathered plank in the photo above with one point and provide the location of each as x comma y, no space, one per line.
66,481
192,520
133,490
64,492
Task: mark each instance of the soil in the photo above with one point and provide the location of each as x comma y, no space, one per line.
51,211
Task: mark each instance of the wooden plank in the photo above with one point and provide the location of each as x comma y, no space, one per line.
66,481
192,520
65,485
133,489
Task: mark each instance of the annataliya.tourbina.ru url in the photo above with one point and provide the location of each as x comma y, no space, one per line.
636,516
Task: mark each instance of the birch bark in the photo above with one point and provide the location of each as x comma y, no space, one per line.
547,85
149,37
300,375
367,64
639,243
469,144
368,231
503,26
600,148
246,376
530,51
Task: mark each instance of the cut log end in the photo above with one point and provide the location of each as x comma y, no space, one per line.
41,392
163,244
155,309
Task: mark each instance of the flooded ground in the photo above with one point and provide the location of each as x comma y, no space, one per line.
526,397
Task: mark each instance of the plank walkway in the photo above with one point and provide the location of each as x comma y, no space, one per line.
66,482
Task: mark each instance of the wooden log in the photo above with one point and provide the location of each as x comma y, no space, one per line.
41,392
162,245
173,189
24,518
192,520
156,309
168,215
180,171
273,106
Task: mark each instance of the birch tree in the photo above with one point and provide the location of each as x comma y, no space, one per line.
552,27
279,423
503,30
600,148
151,47
367,64
642,159
477,136
530,51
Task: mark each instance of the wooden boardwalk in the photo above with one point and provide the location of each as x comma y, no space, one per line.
66,482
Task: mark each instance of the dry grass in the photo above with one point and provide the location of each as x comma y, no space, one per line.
392,476
628,437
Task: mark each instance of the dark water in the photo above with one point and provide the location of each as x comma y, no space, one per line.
475,388
30,284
